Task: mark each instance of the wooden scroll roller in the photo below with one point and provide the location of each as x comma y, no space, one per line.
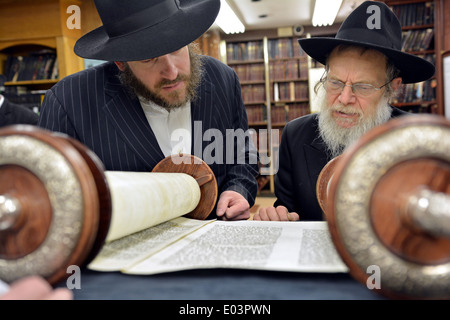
58,205
387,203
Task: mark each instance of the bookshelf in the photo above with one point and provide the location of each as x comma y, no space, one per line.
273,72
421,35
36,47
249,59
288,77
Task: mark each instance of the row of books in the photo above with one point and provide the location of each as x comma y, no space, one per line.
253,50
249,72
42,65
284,48
416,92
417,40
289,91
254,93
31,99
257,114
415,14
289,69
245,51
278,70
288,112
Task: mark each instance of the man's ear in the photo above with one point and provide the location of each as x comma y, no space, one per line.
120,65
396,83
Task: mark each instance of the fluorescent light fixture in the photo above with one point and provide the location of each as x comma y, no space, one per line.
325,12
227,19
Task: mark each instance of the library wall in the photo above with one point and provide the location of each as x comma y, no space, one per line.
420,31
36,47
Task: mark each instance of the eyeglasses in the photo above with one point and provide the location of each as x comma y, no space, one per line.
359,89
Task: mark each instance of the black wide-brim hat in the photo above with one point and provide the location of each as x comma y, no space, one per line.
361,28
144,29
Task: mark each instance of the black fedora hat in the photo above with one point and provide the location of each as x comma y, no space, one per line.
144,29
359,29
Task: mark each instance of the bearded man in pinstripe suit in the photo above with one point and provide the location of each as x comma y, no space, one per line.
154,86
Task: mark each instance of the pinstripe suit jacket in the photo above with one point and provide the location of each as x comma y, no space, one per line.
93,107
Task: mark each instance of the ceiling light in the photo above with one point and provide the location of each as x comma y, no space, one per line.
227,19
325,12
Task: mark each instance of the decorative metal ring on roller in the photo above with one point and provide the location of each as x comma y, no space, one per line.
56,204
387,203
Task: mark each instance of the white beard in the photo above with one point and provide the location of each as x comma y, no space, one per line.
336,138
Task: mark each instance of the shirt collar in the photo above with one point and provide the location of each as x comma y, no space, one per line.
155,110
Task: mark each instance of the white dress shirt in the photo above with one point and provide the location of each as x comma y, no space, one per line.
172,129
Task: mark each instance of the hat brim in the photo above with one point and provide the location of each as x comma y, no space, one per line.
182,28
412,68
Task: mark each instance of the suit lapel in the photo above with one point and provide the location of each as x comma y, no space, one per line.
127,116
201,117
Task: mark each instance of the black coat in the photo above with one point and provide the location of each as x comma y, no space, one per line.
11,113
302,157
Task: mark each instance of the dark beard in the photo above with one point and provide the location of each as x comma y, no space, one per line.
138,88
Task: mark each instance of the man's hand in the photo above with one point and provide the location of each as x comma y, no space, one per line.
279,213
35,288
232,206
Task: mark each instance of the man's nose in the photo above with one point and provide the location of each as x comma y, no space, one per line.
168,68
347,96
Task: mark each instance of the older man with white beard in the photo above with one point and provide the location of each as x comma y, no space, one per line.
347,111
364,66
